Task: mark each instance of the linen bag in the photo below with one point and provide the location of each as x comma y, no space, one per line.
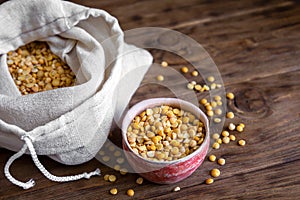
67,124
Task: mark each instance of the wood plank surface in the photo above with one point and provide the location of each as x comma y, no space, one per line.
256,47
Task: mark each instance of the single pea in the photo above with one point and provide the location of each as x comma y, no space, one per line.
193,143
218,111
230,95
209,181
105,158
120,160
197,87
216,145
216,136
230,115
213,104
215,172
225,133
212,158
101,153
139,180
55,82
117,167
218,98
184,69
226,140
113,191
160,78
208,107
239,128
203,101
112,178
130,192
232,137
195,73
219,103
176,189
210,113
213,86
123,171
242,142
164,64
221,161
217,120
211,79
231,126
117,153
219,141
111,148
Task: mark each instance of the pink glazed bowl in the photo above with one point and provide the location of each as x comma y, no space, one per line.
165,172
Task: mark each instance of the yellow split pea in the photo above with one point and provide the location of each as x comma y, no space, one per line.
139,180
230,115
165,133
113,191
215,172
34,68
242,142
164,64
232,137
130,192
209,181
195,73
184,70
230,95
216,145
203,101
216,136
160,78
217,120
198,87
221,161
112,178
212,158
211,79
239,128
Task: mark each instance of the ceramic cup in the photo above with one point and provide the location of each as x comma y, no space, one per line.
165,172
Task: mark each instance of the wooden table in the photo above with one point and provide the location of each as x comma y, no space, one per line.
256,46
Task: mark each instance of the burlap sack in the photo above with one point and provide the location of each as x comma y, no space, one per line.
68,124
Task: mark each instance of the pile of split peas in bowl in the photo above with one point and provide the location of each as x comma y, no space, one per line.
165,133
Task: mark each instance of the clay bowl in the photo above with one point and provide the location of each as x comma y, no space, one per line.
165,172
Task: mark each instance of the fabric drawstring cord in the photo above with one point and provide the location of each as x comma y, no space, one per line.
28,145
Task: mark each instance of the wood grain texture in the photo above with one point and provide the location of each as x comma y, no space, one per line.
256,46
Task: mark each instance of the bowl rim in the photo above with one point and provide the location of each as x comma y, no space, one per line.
132,112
